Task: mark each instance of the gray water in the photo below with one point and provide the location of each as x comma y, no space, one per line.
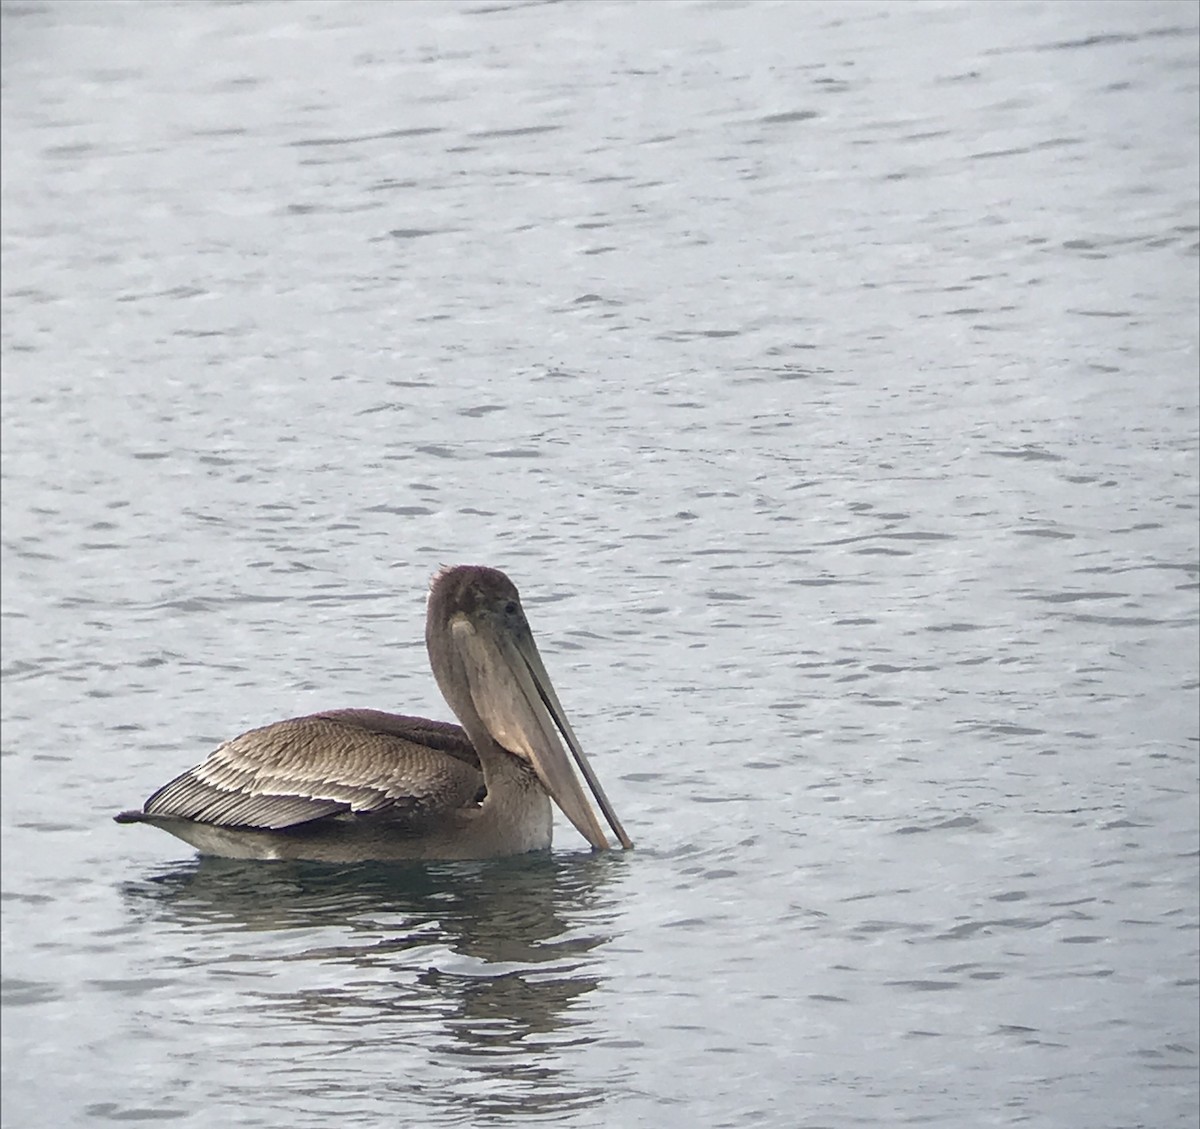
826,377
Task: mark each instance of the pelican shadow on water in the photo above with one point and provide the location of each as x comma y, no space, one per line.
351,785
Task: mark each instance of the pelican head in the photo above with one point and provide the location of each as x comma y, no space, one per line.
491,675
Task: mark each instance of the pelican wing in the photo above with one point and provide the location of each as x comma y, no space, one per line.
340,763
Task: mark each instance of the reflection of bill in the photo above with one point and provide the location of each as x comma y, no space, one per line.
353,785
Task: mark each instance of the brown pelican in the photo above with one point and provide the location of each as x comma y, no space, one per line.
349,785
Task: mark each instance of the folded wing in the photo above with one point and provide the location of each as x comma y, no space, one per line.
339,764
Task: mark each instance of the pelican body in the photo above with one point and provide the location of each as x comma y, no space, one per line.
353,784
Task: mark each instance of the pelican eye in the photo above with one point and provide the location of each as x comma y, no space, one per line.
510,608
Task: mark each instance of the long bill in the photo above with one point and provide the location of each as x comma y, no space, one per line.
515,699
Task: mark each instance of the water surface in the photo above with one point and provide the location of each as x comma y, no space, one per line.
825,376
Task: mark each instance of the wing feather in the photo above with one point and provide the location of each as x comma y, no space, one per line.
341,763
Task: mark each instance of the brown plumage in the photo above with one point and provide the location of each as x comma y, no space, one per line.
344,785
404,769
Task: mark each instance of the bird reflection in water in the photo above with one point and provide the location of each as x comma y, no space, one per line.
468,976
